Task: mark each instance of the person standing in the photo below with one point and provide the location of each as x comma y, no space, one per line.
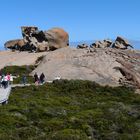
5,82
8,79
42,78
36,79
0,81
24,79
0,73
11,79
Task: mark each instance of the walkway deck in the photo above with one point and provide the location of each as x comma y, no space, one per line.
4,94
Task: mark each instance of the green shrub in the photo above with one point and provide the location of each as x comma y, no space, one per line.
71,110
19,71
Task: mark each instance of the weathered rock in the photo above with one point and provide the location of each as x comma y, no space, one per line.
57,38
48,40
44,46
83,46
101,44
106,66
70,63
8,58
131,71
36,40
121,43
18,44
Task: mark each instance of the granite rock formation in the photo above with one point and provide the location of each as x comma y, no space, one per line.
121,43
17,44
106,66
45,40
57,38
101,44
37,40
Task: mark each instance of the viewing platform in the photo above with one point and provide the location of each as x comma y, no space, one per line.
4,94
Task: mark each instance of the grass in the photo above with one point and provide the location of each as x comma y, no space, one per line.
71,110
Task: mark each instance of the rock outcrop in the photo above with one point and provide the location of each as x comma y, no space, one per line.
8,58
57,38
106,66
101,44
37,40
34,38
121,43
52,39
17,44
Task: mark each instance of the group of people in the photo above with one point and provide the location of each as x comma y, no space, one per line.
39,79
5,80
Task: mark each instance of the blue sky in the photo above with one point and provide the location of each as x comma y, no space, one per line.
82,19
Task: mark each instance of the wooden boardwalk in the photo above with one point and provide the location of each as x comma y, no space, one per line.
4,94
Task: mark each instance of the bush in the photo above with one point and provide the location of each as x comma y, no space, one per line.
19,71
71,110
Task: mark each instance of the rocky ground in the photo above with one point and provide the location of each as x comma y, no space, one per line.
9,58
106,66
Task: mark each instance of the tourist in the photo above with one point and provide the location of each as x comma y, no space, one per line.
24,79
5,81
8,78
42,78
0,73
36,78
11,79
0,81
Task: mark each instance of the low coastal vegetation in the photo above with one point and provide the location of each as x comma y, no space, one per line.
71,110
18,72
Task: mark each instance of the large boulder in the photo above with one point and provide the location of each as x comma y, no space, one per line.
57,38
101,44
32,36
121,43
17,44
43,41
